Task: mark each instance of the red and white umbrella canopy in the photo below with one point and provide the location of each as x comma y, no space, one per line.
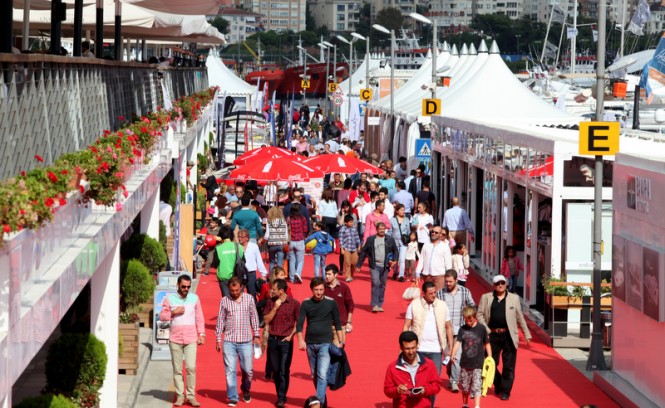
339,163
263,153
280,169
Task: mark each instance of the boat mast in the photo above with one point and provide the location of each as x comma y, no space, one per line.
547,34
623,25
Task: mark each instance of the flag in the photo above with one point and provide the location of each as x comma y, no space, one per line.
257,105
653,74
558,14
289,117
571,32
642,16
221,131
595,35
273,134
550,50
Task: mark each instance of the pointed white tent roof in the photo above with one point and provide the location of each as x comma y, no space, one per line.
494,94
359,75
220,75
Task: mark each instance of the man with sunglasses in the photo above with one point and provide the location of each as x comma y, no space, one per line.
183,310
436,258
501,312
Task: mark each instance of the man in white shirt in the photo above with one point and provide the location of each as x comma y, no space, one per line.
429,318
400,169
345,146
253,262
270,193
436,259
389,209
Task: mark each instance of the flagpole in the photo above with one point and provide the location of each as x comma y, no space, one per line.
547,34
573,41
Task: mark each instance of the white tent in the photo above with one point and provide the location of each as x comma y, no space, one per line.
189,7
220,75
136,21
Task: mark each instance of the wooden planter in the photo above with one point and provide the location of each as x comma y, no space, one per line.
565,302
128,361
145,313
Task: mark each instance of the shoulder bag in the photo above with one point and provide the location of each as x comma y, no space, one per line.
240,269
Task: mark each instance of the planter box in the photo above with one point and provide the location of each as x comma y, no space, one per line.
565,302
128,362
145,315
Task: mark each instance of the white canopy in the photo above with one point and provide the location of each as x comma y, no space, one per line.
136,21
188,7
220,75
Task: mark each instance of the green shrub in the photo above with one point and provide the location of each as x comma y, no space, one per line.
137,285
162,235
147,250
202,161
47,401
76,367
211,138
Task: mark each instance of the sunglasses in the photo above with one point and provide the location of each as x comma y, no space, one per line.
185,287
435,232
500,283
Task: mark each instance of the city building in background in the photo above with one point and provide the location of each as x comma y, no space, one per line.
242,23
337,15
279,15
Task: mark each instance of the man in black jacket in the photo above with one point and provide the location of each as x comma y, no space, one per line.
381,250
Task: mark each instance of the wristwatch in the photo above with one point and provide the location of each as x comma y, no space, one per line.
202,334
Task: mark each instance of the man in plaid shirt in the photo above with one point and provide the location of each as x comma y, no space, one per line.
349,240
456,297
239,323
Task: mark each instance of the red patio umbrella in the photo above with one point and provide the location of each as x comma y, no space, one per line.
339,163
281,169
268,152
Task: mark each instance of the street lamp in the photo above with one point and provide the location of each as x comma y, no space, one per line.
334,47
362,38
384,30
426,20
304,75
356,37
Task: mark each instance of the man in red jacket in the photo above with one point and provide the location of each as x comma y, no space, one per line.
412,378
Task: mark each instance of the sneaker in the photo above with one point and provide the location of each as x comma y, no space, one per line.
233,403
180,401
394,277
349,279
297,278
375,309
280,404
246,397
193,402
379,309
454,387
206,273
401,279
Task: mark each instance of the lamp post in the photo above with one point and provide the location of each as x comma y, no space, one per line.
304,75
384,30
334,74
325,47
356,37
425,20
518,42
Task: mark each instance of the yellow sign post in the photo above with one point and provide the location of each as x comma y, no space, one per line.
366,94
332,87
599,138
304,84
431,107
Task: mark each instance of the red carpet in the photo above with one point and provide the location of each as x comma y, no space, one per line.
543,378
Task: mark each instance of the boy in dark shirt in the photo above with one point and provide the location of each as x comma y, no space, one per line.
472,337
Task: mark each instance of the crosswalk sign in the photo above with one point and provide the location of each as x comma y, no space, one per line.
304,84
423,148
332,87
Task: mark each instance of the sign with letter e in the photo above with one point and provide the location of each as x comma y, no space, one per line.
599,138
431,107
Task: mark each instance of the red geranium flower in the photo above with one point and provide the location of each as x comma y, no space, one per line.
49,202
81,189
51,177
7,228
23,173
64,172
39,158
121,118
63,201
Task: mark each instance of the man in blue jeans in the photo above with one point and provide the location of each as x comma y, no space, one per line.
322,316
239,322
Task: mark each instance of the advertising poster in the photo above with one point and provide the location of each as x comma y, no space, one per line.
618,268
634,276
651,284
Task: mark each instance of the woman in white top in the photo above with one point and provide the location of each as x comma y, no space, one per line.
423,221
326,211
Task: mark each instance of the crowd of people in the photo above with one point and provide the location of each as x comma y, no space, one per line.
256,240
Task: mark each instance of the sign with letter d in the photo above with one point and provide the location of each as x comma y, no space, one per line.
431,107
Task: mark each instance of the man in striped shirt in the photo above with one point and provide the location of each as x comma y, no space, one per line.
456,297
239,323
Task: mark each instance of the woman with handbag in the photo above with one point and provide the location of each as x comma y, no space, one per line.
276,236
401,230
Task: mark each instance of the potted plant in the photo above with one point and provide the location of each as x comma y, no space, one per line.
76,368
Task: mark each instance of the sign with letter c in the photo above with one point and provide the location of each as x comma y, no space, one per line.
366,94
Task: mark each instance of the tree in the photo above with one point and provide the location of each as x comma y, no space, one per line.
363,27
220,24
310,24
391,18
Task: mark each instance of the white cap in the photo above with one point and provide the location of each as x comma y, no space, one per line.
499,278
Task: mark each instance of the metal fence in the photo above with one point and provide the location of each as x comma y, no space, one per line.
52,105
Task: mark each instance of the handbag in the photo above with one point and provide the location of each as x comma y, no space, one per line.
240,269
412,292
